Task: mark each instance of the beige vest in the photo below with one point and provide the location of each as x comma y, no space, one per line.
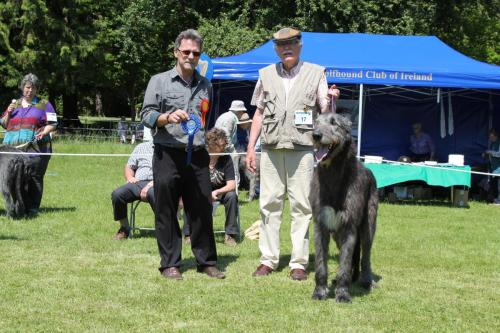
278,124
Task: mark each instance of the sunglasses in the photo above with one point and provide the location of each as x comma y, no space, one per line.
288,42
196,54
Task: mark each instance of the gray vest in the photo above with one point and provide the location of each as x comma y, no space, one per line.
278,124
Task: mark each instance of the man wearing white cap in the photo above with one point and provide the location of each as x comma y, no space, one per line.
289,95
228,122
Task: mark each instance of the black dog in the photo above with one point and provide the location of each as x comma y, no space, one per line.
15,178
344,202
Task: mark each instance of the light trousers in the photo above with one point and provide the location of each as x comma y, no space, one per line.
285,171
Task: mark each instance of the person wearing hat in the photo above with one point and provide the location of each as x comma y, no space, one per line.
288,96
245,122
228,122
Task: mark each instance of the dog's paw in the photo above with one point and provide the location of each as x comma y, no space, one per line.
320,293
342,296
367,284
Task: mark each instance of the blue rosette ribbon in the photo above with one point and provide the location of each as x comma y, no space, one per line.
190,127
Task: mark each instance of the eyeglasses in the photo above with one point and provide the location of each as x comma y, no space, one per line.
293,41
196,54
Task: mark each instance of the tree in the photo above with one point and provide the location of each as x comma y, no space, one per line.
472,27
81,49
143,44
56,40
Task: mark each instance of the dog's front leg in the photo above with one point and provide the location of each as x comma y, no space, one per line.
321,242
344,276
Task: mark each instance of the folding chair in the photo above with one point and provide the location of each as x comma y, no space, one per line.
133,208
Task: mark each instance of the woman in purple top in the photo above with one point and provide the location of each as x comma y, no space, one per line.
421,145
28,122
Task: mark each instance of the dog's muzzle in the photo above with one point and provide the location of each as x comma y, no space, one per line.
321,152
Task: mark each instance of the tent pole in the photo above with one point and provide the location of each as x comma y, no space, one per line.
360,118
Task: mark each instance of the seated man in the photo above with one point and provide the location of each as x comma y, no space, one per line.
139,186
223,185
493,155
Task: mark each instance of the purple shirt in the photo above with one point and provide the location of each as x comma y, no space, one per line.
421,145
24,124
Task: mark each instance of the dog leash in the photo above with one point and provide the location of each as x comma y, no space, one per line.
26,144
32,142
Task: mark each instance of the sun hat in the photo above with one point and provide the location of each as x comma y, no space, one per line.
237,105
244,119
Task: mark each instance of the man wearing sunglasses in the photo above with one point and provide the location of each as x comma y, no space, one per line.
288,95
171,99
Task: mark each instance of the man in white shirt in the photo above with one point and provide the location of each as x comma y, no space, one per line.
228,122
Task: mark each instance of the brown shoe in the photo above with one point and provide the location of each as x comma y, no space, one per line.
298,274
212,271
121,234
172,273
262,270
229,240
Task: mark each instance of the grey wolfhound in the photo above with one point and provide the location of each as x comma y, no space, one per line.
344,202
15,177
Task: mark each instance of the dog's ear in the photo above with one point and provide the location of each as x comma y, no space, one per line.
344,122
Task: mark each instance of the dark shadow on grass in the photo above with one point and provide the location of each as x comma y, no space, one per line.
8,237
219,235
356,290
222,262
435,203
42,210
285,260
56,209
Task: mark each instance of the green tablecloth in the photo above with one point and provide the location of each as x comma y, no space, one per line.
389,174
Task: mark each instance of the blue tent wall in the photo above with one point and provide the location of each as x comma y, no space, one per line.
371,59
387,127
387,122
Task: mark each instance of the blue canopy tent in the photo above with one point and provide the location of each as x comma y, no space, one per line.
397,80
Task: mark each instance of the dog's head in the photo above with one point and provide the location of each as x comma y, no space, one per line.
332,133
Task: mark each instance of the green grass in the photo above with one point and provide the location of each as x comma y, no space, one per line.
437,269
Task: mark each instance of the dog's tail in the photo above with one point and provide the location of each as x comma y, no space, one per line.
15,184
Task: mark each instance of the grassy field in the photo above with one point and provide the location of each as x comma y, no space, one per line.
437,269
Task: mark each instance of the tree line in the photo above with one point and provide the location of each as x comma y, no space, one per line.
96,57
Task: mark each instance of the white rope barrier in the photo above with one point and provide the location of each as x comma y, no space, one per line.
98,155
421,165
